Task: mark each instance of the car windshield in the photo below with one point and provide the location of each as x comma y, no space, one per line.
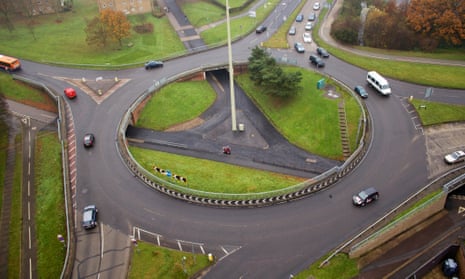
87,215
363,195
456,155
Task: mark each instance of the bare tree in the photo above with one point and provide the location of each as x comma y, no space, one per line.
6,9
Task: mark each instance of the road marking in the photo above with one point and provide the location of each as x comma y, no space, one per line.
179,245
29,228
461,209
103,241
224,250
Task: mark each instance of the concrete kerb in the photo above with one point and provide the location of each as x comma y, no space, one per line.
217,199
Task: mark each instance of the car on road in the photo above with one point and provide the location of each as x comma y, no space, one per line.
312,16
70,93
299,47
308,26
365,197
153,64
455,157
317,61
316,6
89,140
292,30
89,217
361,91
307,37
322,52
260,29
299,18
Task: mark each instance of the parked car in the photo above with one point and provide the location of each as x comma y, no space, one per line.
260,29
312,16
307,37
299,47
153,64
89,217
361,91
299,18
322,52
455,157
316,6
89,140
308,26
317,61
292,30
70,93
365,197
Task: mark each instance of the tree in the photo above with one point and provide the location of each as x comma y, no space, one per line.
346,29
6,8
444,20
96,33
116,24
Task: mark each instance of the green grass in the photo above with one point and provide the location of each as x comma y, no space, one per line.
14,241
238,26
437,113
50,211
202,13
199,173
20,92
64,40
3,154
419,73
150,261
176,103
340,266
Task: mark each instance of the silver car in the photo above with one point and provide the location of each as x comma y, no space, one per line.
455,157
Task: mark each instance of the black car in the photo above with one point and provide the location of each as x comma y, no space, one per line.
361,91
89,217
365,197
299,18
322,52
260,29
153,64
315,60
89,140
312,17
299,47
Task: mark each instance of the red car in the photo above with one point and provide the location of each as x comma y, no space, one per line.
70,93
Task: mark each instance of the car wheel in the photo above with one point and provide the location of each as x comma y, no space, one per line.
376,197
363,204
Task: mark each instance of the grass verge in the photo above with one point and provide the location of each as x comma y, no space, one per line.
150,261
340,266
212,176
50,210
14,241
432,113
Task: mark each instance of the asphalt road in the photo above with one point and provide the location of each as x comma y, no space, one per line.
271,242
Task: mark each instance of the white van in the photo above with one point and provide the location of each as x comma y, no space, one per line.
379,83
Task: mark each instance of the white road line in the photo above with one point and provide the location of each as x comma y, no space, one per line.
28,211
29,228
179,245
224,250
201,249
30,268
103,241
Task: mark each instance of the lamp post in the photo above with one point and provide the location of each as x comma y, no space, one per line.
231,72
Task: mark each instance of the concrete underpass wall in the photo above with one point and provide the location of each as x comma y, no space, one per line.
374,239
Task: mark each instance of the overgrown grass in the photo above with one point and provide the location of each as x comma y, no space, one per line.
150,261
62,39
14,241
50,209
432,113
340,267
23,93
176,103
202,13
212,176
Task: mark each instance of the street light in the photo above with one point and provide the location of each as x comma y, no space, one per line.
231,72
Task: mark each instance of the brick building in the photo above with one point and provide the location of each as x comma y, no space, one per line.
126,6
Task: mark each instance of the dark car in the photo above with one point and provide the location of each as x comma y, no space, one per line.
361,91
89,217
299,47
322,52
315,60
311,17
365,197
70,93
260,29
89,140
299,18
153,64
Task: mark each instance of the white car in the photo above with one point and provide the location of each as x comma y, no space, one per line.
455,157
308,26
316,6
307,37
